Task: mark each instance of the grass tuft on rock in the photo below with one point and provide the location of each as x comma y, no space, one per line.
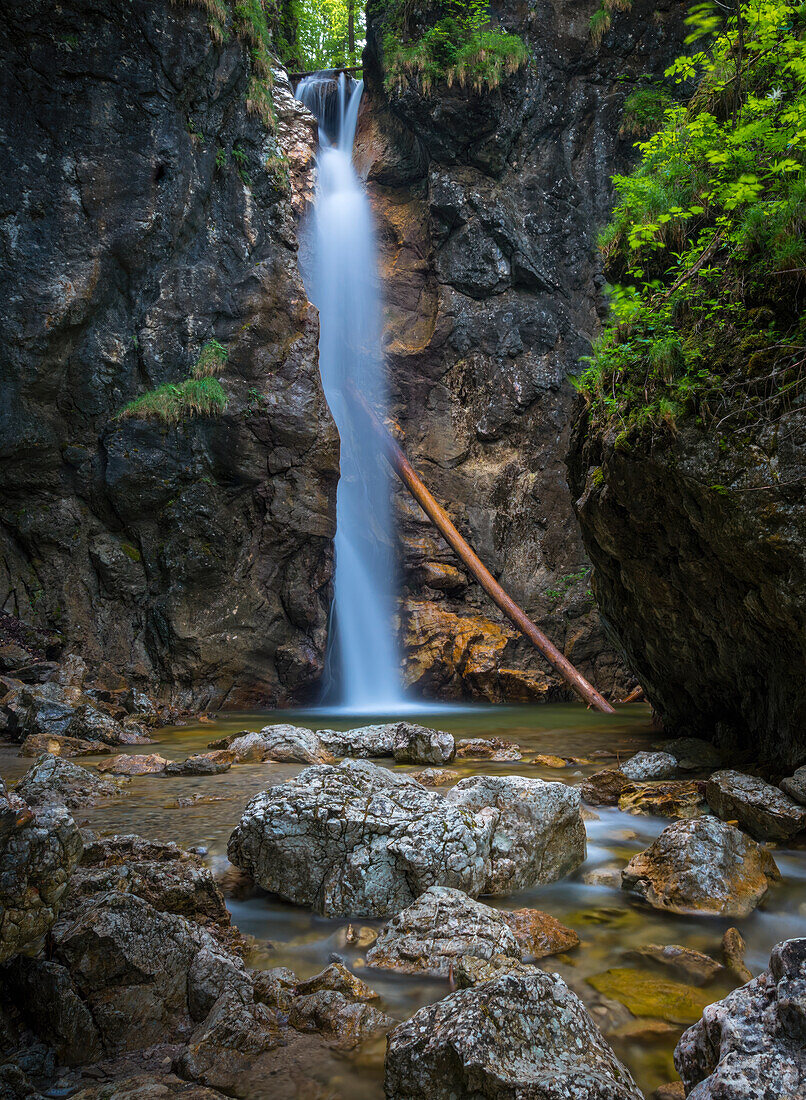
211,361
461,47
177,401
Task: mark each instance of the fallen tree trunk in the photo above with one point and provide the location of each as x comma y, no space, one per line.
442,521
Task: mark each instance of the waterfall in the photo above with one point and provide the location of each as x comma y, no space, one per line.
342,281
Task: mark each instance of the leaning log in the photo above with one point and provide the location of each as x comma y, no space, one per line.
442,521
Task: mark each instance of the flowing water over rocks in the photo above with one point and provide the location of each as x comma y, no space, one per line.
641,973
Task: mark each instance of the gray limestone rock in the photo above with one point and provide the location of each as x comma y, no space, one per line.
649,765
763,810
55,781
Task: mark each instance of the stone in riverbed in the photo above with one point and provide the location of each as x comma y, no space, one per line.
795,786
733,952
539,836
360,840
605,788
413,744
38,851
547,760
680,798
471,970
436,777
126,764
54,781
440,927
60,745
539,934
515,1036
764,811
282,744
649,765
487,748
693,754
646,994
703,866
752,1044
203,763
362,743
692,966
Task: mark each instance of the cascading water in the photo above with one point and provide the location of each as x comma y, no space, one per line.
342,280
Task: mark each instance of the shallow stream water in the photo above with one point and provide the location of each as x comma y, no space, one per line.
608,922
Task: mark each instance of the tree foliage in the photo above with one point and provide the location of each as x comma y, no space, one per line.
321,37
706,248
459,46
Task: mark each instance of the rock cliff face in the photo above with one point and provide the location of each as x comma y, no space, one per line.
146,210
699,545
488,206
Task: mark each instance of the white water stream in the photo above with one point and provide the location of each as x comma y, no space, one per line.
342,281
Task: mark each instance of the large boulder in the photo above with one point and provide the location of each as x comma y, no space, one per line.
357,839
365,742
752,1044
53,780
439,928
605,788
517,1036
703,866
763,810
795,786
539,836
38,851
283,743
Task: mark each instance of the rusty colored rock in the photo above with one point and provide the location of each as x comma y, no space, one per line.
539,934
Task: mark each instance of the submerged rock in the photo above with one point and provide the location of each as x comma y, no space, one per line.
752,1044
358,840
38,851
693,754
605,788
515,1036
203,763
55,781
680,798
440,927
702,866
764,811
126,764
693,966
487,748
437,777
646,994
649,765
539,836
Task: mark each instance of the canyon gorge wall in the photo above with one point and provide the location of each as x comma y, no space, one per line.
488,207
146,210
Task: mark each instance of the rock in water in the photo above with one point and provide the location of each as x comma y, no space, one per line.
752,1045
283,743
539,934
203,763
364,742
358,840
439,928
38,851
702,866
514,1037
649,765
762,809
53,780
487,748
795,786
126,764
414,744
681,798
540,835
606,787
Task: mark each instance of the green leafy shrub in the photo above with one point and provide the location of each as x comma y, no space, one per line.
460,47
644,109
706,250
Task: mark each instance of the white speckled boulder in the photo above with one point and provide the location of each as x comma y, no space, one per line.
752,1044
539,836
516,1037
358,840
